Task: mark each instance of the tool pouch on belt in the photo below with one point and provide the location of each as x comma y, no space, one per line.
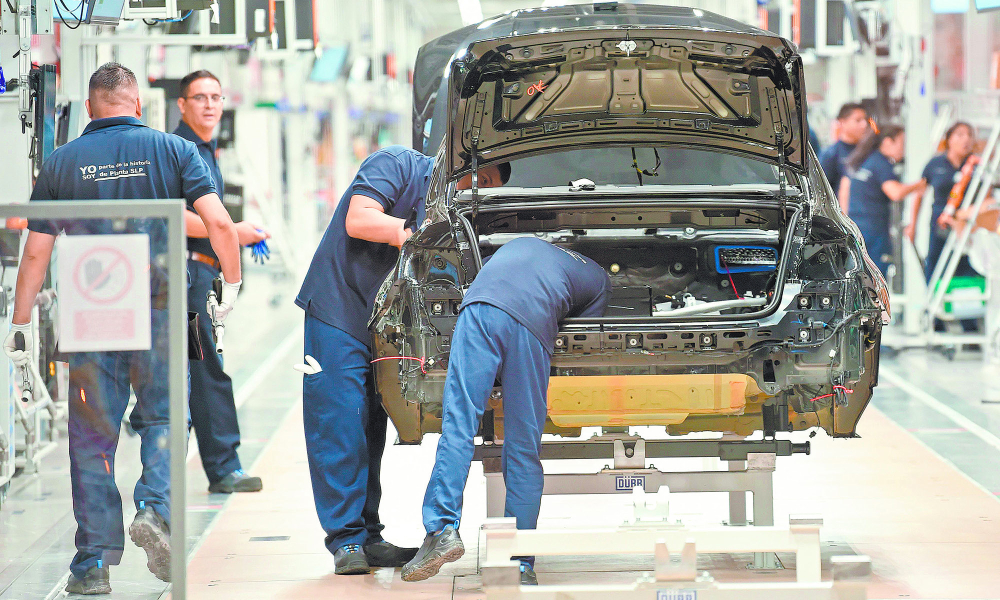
194,337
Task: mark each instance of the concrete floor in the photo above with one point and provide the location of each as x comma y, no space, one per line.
918,492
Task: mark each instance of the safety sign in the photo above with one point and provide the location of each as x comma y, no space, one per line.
103,291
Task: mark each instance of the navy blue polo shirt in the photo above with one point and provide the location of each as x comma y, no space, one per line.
207,152
941,176
346,273
119,158
540,284
868,202
833,159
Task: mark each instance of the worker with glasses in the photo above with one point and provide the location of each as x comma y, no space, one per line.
212,404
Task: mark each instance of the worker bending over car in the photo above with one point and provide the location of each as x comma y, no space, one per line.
345,424
506,330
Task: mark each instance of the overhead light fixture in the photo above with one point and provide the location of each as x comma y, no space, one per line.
471,11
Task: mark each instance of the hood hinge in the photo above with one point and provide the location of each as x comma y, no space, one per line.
475,174
476,130
782,176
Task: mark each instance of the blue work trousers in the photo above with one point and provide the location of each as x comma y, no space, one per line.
938,239
345,436
488,343
98,398
213,409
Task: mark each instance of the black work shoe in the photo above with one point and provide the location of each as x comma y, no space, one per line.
384,554
437,549
528,576
95,581
237,481
151,533
350,560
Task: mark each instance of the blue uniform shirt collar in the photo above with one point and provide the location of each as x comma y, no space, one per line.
184,130
111,122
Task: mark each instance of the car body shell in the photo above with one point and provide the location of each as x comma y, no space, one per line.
606,80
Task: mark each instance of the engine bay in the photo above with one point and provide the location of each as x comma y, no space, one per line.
663,262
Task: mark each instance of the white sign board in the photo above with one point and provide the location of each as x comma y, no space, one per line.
103,285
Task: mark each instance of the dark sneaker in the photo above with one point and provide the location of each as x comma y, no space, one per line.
384,554
237,481
528,576
437,549
151,533
95,581
350,560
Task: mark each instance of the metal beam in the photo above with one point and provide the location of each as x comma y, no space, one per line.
604,448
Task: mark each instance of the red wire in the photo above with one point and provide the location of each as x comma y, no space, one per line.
836,387
731,282
420,360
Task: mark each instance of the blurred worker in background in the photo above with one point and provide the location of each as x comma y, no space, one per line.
506,330
874,185
213,408
345,424
167,167
852,124
942,173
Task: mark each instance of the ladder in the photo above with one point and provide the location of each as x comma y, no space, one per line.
958,242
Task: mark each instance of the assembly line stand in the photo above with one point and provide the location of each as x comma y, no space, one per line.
675,576
751,465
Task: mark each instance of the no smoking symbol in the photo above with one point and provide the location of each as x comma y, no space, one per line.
103,275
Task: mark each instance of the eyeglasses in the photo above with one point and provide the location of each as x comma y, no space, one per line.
203,99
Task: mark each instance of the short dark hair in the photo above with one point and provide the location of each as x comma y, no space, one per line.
504,172
192,77
111,77
848,109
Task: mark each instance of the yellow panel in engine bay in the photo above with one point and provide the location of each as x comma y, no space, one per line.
620,400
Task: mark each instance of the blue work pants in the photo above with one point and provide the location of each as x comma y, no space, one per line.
488,343
213,408
345,428
98,398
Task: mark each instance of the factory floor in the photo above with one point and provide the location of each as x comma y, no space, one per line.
918,493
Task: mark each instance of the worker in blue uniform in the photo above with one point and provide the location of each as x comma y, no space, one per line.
345,424
211,402
160,166
506,330
874,185
852,125
942,172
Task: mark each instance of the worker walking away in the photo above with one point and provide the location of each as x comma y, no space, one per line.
506,330
167,167
211,402
345,424
945,174
852,124
874,185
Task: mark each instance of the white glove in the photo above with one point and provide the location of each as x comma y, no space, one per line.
219,308
310,366
19,357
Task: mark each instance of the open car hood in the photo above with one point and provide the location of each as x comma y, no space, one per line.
630,85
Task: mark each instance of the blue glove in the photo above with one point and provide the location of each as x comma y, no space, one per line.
260,251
